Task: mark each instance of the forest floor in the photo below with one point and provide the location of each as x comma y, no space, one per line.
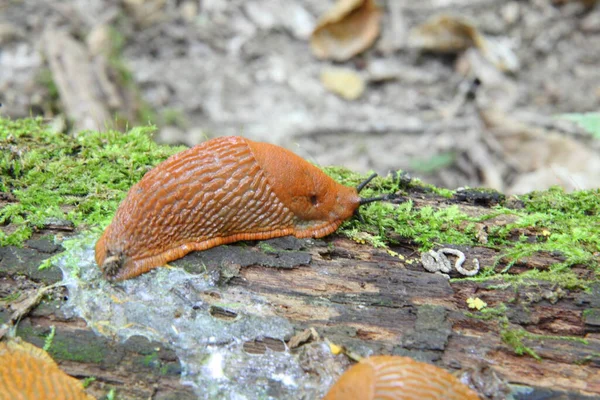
263,313
201,69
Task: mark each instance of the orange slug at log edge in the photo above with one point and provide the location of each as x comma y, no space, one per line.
398,378
28,372
221,191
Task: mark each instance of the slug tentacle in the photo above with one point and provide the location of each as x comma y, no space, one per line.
361,186
364,183
222,191
362,200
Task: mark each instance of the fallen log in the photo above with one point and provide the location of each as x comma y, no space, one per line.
268,319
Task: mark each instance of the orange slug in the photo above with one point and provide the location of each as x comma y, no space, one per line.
28,372
398,378
221,191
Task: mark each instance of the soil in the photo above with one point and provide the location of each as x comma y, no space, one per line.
205,68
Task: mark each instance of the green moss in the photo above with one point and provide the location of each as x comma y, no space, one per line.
88,381
68,349
83,179
49,338
165,369
587,359
514,338
65,346
383,221
112,394
562,338
425,226
490,313
151,360
267,248
565,224
566,279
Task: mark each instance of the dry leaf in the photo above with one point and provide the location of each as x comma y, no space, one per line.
346,30
30,373
451,34
343,82
444,34
543,157
146,13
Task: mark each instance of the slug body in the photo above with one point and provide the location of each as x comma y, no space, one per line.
398,378
28,372
221,191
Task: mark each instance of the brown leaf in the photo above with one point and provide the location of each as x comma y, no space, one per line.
452,34
346,30
444,34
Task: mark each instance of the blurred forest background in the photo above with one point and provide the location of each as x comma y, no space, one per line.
503,94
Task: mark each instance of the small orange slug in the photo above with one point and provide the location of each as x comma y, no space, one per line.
398,378
28,372
221,191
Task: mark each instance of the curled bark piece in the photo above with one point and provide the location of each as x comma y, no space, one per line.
438,262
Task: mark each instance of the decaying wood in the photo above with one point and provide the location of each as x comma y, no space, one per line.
368,301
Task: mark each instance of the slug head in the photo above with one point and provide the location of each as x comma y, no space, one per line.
306,190
110,264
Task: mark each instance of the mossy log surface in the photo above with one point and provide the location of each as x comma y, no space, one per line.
354,295
536,336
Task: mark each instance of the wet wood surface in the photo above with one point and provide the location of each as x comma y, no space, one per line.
365,299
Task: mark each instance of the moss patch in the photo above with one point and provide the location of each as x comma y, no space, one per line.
79,345
48,176
552,222
514,338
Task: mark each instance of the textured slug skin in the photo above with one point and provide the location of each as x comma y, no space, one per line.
224,190
28,372
398,378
